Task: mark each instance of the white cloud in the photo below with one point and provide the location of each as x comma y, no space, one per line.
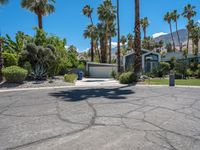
198,21
158,34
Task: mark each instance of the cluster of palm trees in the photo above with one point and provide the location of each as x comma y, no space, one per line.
101,33
39,7
192,28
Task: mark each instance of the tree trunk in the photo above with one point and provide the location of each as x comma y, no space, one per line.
179,41
98,52
137,41
145,33
174,48
106,44
110,49
40,21
92,50
1,61
118,40
188,40
103,51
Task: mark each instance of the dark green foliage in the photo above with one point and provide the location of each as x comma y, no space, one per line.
81,66
181,70
172,62
114,74
71,78
9,59
127,78
162,69
15,74
42,60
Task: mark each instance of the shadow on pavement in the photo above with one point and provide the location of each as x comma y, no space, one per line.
84,94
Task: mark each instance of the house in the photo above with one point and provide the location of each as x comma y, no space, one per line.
180,57
150,60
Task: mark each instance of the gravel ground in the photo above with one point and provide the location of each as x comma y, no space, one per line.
56,81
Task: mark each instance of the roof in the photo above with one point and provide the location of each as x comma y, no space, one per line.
177,55
144,52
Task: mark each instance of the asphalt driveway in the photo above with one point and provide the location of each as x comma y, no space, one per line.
104,118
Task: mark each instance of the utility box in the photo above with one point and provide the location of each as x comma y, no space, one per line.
171,78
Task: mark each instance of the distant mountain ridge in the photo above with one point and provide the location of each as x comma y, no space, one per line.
183,34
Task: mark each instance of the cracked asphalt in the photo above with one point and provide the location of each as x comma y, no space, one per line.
104,118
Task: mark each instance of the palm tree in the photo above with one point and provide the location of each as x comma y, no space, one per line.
191,24
175,17
118,39
137,40
90,32
189,13
144,23
3,2
87,11
112,33
168,19
39,7
106,14
195,36
123,40
130,41
101,35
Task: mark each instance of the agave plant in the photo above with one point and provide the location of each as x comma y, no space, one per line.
39,72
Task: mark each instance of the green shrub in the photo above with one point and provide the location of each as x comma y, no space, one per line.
14,74
181,69
9,59
114,74
127,78
189,73
81,66
161,70
70,78
27,66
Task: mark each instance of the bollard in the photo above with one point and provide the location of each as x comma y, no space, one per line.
171,78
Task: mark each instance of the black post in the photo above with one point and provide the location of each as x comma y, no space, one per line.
171,78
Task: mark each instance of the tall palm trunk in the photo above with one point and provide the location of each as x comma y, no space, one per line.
118,40
110,49
97,49
103,50
40,21
188,40
1,61
170,25
145,32
137,41
179,41
106,44
92,50
92,42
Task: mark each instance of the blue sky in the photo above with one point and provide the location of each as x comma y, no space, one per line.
68,21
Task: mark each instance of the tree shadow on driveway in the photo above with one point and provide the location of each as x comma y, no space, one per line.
75,95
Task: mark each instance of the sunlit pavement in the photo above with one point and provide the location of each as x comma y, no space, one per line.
101,118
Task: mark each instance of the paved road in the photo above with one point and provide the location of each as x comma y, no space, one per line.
120,118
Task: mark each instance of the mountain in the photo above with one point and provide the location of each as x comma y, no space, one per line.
167,38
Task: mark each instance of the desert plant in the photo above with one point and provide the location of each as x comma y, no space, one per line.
114,74
14,74
71,78
42,60
127,78
39,72
9,59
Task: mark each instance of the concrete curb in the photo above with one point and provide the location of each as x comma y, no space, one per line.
87,86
